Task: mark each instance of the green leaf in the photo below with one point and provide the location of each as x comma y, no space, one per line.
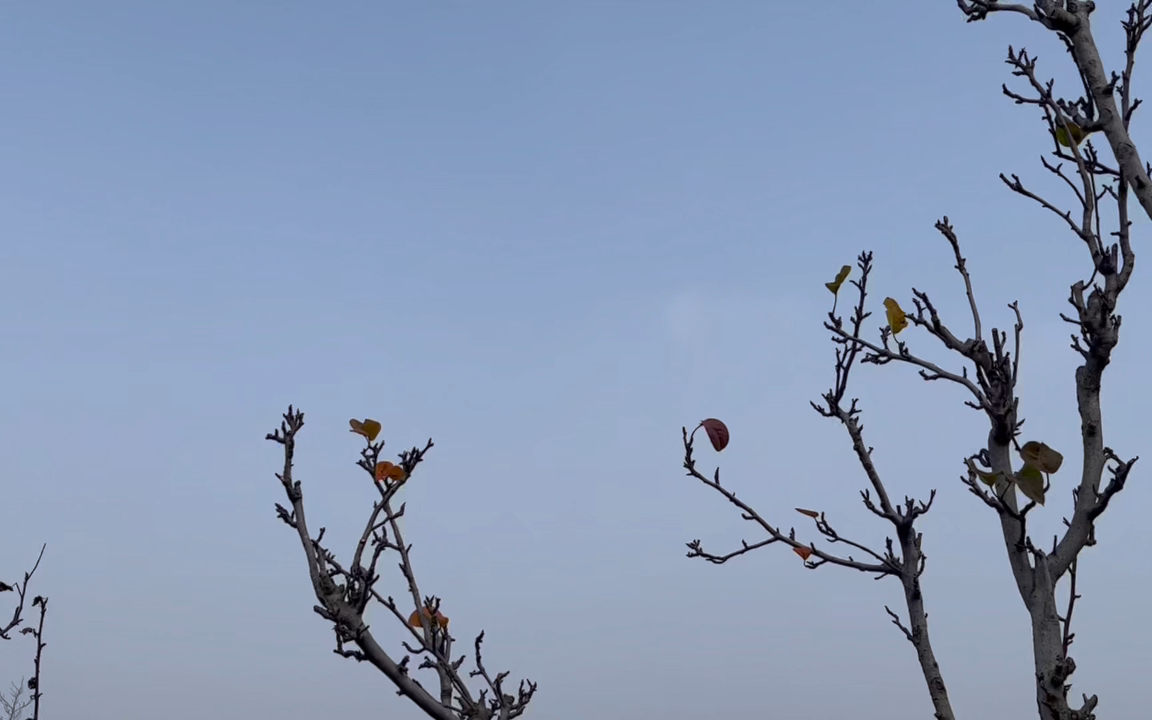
990,479
1044,458
1030,480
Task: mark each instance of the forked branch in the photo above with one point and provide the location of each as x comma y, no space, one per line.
344,602
903,557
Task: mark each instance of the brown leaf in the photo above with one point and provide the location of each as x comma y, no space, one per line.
809,513
388,471
368,428
717,433
803,552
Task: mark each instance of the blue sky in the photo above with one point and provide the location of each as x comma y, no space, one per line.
546,235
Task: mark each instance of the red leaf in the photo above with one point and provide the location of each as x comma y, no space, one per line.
803,552
717,433
809,513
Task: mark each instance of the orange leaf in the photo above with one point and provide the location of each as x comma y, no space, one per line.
368,428
809,513
415,619
388,471
717,433
803,552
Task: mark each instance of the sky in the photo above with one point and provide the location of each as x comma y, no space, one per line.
547,236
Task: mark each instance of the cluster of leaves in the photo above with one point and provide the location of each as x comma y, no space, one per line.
1039,462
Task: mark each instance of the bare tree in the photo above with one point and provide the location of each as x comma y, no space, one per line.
344,592
41,603
13,703
988,368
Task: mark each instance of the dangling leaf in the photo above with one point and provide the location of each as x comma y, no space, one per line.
1030,480
368,428
803,552
897,319
841,276
1041,456
388,471
809,513
717,433
415,619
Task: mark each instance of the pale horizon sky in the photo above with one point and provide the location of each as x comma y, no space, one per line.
546,235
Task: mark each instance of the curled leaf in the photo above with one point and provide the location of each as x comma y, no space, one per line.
809,513
717,433
368,428
803,552
389,471
415,619
841,276
1041,456
1030,480
897,318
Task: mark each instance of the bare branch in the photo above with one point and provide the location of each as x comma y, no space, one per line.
14,703
21,590
775,535
945,228
37,633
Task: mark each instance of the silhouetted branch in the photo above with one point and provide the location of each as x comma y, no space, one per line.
21,590
344,604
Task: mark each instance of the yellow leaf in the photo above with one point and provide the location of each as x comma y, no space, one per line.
897,319
1041,456
990,479
368,428
1030,480
388,471
803,552
1062,137
841,276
